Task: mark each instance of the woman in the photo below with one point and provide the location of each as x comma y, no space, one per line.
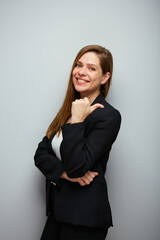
74,153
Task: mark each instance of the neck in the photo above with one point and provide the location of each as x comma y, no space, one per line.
90,96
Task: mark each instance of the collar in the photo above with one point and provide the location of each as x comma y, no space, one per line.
98,99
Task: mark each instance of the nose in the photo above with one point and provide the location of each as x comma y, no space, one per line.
82,71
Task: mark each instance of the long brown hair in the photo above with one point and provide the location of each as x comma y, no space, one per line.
106,63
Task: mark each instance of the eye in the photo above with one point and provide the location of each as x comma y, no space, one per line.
92,68
78,65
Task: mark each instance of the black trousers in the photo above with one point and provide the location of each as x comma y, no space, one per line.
54,230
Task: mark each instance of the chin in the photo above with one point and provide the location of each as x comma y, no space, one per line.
80,90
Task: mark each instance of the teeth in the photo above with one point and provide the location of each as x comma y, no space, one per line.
80,80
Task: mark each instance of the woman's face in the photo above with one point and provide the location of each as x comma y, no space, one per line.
87,75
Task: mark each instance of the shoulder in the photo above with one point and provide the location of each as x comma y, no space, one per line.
107,113
110,110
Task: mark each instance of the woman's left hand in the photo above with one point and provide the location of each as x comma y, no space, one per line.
81,108
84,180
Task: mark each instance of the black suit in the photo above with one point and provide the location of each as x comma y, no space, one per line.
85,146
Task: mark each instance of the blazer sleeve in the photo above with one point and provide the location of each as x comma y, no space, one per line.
48,163
80,152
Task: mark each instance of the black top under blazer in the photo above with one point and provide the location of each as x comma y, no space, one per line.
85,146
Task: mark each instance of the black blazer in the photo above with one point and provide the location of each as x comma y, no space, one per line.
85,146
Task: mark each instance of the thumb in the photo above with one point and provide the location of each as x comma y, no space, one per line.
95,106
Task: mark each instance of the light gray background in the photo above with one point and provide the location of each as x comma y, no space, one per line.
39,40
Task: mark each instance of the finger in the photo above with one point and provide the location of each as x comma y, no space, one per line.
95,106
86,99
95,173
92,174
86,180
89,177
73,103
81,182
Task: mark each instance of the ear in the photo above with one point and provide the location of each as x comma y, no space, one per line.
105,77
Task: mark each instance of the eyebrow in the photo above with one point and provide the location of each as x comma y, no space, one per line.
90,64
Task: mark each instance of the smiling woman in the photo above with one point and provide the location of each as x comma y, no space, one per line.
104,60
74,153
88,77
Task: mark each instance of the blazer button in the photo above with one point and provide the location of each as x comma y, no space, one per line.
53,183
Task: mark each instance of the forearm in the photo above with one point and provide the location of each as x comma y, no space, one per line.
47,163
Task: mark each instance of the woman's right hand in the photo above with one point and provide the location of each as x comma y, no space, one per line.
84,180
81,108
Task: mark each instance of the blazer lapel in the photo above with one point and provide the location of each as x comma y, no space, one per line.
98,99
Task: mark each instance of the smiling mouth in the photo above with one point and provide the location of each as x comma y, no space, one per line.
81,80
